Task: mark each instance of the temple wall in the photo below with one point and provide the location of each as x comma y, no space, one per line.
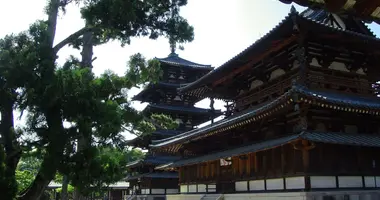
320,195
184,197
296,183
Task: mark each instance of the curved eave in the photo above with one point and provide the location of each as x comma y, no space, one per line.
152,161
329,100
174,60
364,140
365,10
153,87
235,61
154,175
202,86
179,109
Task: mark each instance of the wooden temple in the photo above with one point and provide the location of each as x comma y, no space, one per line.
163,97
304,118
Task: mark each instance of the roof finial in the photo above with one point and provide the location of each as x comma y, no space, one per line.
293,9
173,46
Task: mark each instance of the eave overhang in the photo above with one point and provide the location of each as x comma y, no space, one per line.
363,140
297,94
367,10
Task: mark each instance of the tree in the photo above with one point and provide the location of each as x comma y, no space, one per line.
96,107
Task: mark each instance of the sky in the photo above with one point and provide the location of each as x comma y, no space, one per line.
222,28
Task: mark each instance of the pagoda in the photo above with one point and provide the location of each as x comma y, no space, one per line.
304,118
163,98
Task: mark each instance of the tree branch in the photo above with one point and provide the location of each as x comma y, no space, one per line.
72,37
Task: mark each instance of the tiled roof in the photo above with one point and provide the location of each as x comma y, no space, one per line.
181,109
174,59
227,67
367,10
153,175
152,160
323,137
151,88
353,101
219,124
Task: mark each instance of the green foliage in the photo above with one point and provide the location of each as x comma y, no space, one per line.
106,167
123,19
96,108
24,179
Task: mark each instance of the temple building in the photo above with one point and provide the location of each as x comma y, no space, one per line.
303,122
368,10
163,98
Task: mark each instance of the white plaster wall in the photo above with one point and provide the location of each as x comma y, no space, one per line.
276,73
158,191
338,66
350,181
171,191
322,182
202,188
256,185
211,188
184,197
192,188
275,184
183,188
314,62
267,196
255,84
369,181
295,182
241,186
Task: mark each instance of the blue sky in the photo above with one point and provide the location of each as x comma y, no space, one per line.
223,28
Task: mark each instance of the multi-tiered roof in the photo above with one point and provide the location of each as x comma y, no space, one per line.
163,98
305,111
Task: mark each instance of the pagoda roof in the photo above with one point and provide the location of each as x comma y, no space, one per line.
366,10
152,88
181,109
152,160
174,60
168,175
330,100
313,136
203,86
139,141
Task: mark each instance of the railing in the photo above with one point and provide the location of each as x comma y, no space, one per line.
320,79
264,91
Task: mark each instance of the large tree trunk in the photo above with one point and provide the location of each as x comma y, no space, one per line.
65,184
55,149
52,158
84,130
11,146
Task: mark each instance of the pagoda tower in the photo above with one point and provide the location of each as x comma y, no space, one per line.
163,98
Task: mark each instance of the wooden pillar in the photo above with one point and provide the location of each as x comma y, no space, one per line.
305,156
248,167
180,178
256,166
283,160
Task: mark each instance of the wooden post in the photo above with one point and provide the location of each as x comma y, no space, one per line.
283,160
305,156
180,178
256,167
